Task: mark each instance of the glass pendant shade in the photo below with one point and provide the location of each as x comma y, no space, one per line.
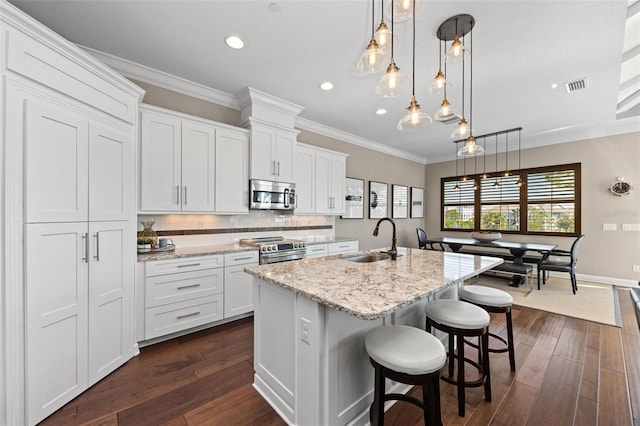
384,37
470,148
457,51
445,111
438,83
393,82
415,119
373,59
403,9
462,131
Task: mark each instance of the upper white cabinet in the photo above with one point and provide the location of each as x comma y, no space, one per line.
272,152
176,164
188,164
320,180
232,172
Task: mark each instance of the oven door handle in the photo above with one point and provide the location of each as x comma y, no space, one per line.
282,257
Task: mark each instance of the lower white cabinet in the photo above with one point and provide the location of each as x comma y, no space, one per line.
238,285
317,250
342,247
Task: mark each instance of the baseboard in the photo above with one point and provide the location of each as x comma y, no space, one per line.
601,280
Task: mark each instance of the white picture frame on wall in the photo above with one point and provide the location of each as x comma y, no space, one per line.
354,199
378,193
417,202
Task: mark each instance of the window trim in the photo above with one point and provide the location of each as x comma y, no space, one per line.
523,201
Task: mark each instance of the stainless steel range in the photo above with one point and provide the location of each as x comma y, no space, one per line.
277,249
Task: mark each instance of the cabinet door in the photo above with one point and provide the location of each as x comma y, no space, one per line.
111,180
285,151
238,290
110,297
198,145
305,180
262,161
232,172
323,183
56,159
338,183
160,163
56,273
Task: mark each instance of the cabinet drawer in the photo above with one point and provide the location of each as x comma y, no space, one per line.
344,247
165,289
317,250
241,258
188,264
179,316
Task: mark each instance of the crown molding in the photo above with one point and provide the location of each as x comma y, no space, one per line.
164,80
177,84
249,96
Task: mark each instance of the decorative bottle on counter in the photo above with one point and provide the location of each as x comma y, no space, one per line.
149,232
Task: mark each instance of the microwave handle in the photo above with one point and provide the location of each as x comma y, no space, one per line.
286,197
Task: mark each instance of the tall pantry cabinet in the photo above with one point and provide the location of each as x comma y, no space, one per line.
69,235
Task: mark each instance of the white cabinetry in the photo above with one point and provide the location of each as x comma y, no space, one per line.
272,152
343,247
320,181
238,285
231,172
176,164
316,250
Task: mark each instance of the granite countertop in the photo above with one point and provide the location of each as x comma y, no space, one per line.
373,290
194,251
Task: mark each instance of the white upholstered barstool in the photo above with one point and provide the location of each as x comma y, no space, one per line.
497,301
461,319
407,355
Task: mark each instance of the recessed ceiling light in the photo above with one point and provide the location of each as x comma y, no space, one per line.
274,7
554,86
381,111
234,42
327,85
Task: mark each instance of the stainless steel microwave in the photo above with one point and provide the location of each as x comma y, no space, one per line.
267,195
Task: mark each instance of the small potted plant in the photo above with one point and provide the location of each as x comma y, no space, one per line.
144,244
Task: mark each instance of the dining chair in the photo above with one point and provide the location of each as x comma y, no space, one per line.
566,264
424,244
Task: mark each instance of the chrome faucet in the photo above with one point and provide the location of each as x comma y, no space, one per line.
393,251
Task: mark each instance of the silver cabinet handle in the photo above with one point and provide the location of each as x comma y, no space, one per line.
273,167
85,237
188,265
188,286
243,258
246,198
185,195
193,314
278,168
97,237
178,194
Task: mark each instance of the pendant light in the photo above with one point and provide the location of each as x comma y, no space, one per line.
446,111
403,9
458,51
439,81
393,82
383,36
470,148
373,59
415,119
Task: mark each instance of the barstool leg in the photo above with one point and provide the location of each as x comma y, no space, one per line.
431,399
512,354
376,412
451,355
486,367
460,377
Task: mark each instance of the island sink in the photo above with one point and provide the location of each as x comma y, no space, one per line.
369,257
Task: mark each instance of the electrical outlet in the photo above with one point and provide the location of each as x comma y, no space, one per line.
636,268
631,226
609,226
305,330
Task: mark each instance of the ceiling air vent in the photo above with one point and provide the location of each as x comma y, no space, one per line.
575,85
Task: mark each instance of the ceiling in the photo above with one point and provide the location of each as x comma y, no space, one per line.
521,49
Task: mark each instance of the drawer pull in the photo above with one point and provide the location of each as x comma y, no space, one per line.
188,286
243,258
193,314
189,265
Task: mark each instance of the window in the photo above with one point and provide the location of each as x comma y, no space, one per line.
547,202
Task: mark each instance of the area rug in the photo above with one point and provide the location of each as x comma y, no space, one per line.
593,301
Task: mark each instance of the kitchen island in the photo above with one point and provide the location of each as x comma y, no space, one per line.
311,316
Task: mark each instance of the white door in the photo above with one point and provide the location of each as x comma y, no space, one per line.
56,160
160,163
263,164
232,172
110,297
238,291
56,276
285,155
324,202
338,183
111,188
305,180
198,145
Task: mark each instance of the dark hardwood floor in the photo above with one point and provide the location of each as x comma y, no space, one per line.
569,372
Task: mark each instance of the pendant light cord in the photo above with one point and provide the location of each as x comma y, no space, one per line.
470,83
413,73
373,24
392,33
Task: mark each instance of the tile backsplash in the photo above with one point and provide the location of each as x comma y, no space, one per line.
218,229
